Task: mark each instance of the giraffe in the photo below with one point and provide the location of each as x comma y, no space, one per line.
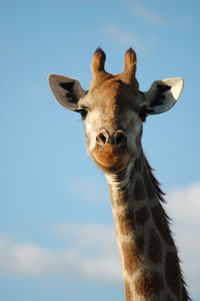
113,111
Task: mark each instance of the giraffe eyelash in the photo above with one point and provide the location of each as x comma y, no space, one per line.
83,113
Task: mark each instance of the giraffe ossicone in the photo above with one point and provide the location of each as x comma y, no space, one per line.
113,111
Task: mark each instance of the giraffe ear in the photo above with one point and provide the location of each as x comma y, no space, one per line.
163,94
66,90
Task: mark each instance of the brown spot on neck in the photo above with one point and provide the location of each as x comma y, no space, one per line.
142,215
148,284
140,243
155,247
139,192
131,257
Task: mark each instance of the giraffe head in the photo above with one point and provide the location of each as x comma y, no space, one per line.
113,109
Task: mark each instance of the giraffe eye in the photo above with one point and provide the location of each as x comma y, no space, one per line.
83,113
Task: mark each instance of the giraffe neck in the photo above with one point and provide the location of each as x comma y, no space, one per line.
149,257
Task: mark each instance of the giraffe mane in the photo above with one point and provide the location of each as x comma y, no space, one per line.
155,182
161,194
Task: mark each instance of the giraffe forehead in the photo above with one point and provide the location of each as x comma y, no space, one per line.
113,97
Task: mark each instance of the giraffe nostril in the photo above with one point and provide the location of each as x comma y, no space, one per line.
120,139
103,137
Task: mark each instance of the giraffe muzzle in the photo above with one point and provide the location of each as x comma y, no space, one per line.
117,138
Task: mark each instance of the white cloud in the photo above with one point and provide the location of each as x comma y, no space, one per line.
186,202
149,15
91,250
184,208
130,38
146,13
23,259
123,36
92,255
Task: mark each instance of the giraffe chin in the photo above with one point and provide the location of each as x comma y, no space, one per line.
110,158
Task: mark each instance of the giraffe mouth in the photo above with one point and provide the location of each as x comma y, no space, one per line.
111,158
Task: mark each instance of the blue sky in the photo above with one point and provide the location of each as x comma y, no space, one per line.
56,230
